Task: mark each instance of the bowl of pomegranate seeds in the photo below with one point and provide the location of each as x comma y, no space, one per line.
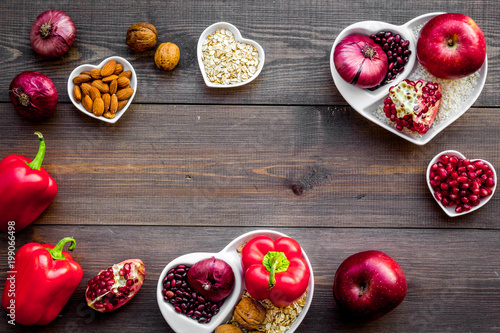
458,184
186,308
435,103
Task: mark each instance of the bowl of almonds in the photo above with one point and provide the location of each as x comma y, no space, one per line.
227,59
104,91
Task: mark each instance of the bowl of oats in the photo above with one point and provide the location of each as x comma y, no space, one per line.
227,59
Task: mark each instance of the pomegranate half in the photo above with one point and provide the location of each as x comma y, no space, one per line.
115,286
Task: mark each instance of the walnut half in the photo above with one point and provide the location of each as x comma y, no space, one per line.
249,313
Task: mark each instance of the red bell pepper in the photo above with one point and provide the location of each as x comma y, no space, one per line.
41,282
275,270
26,189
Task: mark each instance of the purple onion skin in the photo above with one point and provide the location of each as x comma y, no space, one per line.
61,33
212,278
35,90
356,68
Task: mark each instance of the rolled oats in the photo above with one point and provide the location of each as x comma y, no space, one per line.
228,61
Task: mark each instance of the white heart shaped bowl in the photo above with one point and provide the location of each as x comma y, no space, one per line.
183,324
366,102
237,35
450,211
87,68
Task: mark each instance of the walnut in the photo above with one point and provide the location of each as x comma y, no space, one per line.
249,313
228,328
167,56
142,36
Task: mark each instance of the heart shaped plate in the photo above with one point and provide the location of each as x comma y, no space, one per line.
366,102
237,35
87,68
183,324
450,211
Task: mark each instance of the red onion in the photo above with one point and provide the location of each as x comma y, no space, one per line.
212,278
33,94
52,33
360,61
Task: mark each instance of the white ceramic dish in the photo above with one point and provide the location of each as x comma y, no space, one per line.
87,68
237,35
450,211
365,102
183,324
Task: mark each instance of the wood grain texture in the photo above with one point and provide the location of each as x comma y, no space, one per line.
238,165
296,36
453,283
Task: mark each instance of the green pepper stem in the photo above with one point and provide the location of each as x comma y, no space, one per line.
36,164
56,252
275,262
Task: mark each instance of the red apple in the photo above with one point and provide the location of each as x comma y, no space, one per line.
369,284
451,46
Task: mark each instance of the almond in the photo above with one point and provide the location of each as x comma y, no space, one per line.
113,87
109,115
121,104
96,73
124,93
81,78
123,82
113,107
118,69
109,68
87,103
98,107
85,87
94,93
77,93
106,98
127,74
110,78
103,87
86,73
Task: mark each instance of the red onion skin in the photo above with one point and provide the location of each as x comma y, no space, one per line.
354,67
212,278
61,34
37,91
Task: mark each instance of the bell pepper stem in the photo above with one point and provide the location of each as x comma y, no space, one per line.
36,164
56,252
275,262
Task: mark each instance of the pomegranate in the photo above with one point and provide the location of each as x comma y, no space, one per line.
115,286
413,105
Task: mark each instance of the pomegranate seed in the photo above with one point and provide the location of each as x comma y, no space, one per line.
453,160
459,209
438,196
490,182
462,179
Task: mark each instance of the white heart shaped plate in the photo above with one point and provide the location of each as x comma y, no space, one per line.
237,35
87,68
450,211
183,324
366,102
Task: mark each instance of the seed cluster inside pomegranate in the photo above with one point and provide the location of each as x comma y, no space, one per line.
413,105
461,182
397,50
115,286
184,299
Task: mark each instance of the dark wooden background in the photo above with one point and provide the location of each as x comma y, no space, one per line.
189,168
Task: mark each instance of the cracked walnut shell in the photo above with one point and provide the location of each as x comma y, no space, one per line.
249,313
142,36
167,56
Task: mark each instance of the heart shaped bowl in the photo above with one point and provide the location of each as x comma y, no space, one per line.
237,35
450,211
367,102
87,68
183,324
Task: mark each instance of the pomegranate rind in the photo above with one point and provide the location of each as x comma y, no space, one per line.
120,293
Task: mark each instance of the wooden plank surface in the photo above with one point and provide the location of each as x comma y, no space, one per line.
297,37
453,284
189,168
